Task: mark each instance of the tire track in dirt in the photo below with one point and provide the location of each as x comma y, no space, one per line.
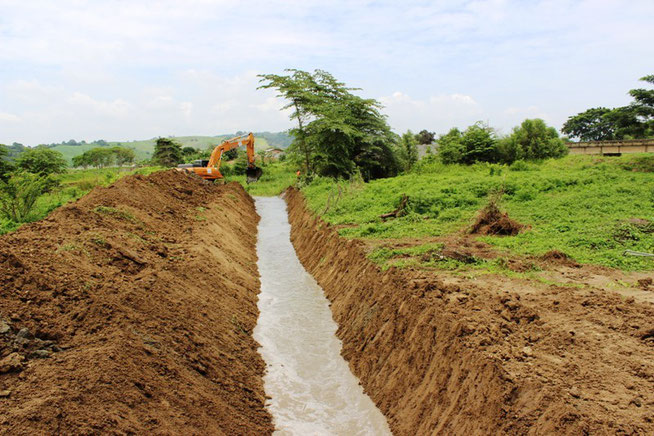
131,311
447,358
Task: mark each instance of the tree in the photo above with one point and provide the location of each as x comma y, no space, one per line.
5,166
298,88
338,132
425,137
478,143
167,152
18,195
590,125
533,139
633,121
450,149
123,155
42,160
408,149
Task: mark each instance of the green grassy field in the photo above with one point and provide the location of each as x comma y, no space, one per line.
145,148
591,208
275,179
73,185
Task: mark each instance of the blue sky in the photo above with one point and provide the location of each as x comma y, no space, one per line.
121,70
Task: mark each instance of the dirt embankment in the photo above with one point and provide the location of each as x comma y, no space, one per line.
447,358
131,311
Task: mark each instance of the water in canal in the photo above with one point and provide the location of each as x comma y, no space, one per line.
311,387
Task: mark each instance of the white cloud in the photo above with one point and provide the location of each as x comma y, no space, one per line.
9,118
130,69
436,113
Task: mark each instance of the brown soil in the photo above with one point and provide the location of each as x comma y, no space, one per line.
446,354
491,221
130,311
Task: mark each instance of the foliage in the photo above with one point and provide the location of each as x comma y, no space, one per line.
338,133
576,205
425,137
42,161
408,150
277,176
123,155
5,166
533,139
96,157
72,185
167,152
633,121
478,143
19,194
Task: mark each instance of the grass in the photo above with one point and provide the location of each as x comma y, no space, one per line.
276,178
73,185
590,207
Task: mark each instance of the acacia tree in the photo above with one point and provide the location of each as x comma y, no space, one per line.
338,132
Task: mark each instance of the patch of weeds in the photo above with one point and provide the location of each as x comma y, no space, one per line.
116,213
99,240
232,196
200,209
200,218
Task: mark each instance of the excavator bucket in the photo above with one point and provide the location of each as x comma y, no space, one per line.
253,174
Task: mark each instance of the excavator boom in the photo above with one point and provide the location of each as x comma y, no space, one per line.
210,170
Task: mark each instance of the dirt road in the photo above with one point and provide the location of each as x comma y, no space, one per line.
131,311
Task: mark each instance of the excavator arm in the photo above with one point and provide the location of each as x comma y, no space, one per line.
212,169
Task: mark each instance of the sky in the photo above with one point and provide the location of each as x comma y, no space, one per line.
137,69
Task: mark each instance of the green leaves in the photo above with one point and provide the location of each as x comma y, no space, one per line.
19,193
338,132
633,121
167,152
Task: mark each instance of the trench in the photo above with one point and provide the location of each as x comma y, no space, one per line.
310,386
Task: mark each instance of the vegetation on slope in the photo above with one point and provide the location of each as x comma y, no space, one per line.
591,208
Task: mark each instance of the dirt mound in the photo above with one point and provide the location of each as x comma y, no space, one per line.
440,358
557,257
130,311
491,221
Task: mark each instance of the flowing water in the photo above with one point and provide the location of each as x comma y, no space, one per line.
311,387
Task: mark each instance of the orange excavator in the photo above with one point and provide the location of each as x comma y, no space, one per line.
210,169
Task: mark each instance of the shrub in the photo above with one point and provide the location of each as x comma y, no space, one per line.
42,161
18,195
533,139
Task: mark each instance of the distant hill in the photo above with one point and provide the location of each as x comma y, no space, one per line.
145,148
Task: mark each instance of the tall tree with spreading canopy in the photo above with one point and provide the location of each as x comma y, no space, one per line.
338,132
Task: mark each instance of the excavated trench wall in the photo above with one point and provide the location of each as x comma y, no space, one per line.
412,346
131,311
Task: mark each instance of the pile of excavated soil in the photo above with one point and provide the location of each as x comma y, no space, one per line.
130,311
491,221
439,358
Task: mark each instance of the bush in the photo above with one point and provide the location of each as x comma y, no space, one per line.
477,144
42,161
18,195
533,139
